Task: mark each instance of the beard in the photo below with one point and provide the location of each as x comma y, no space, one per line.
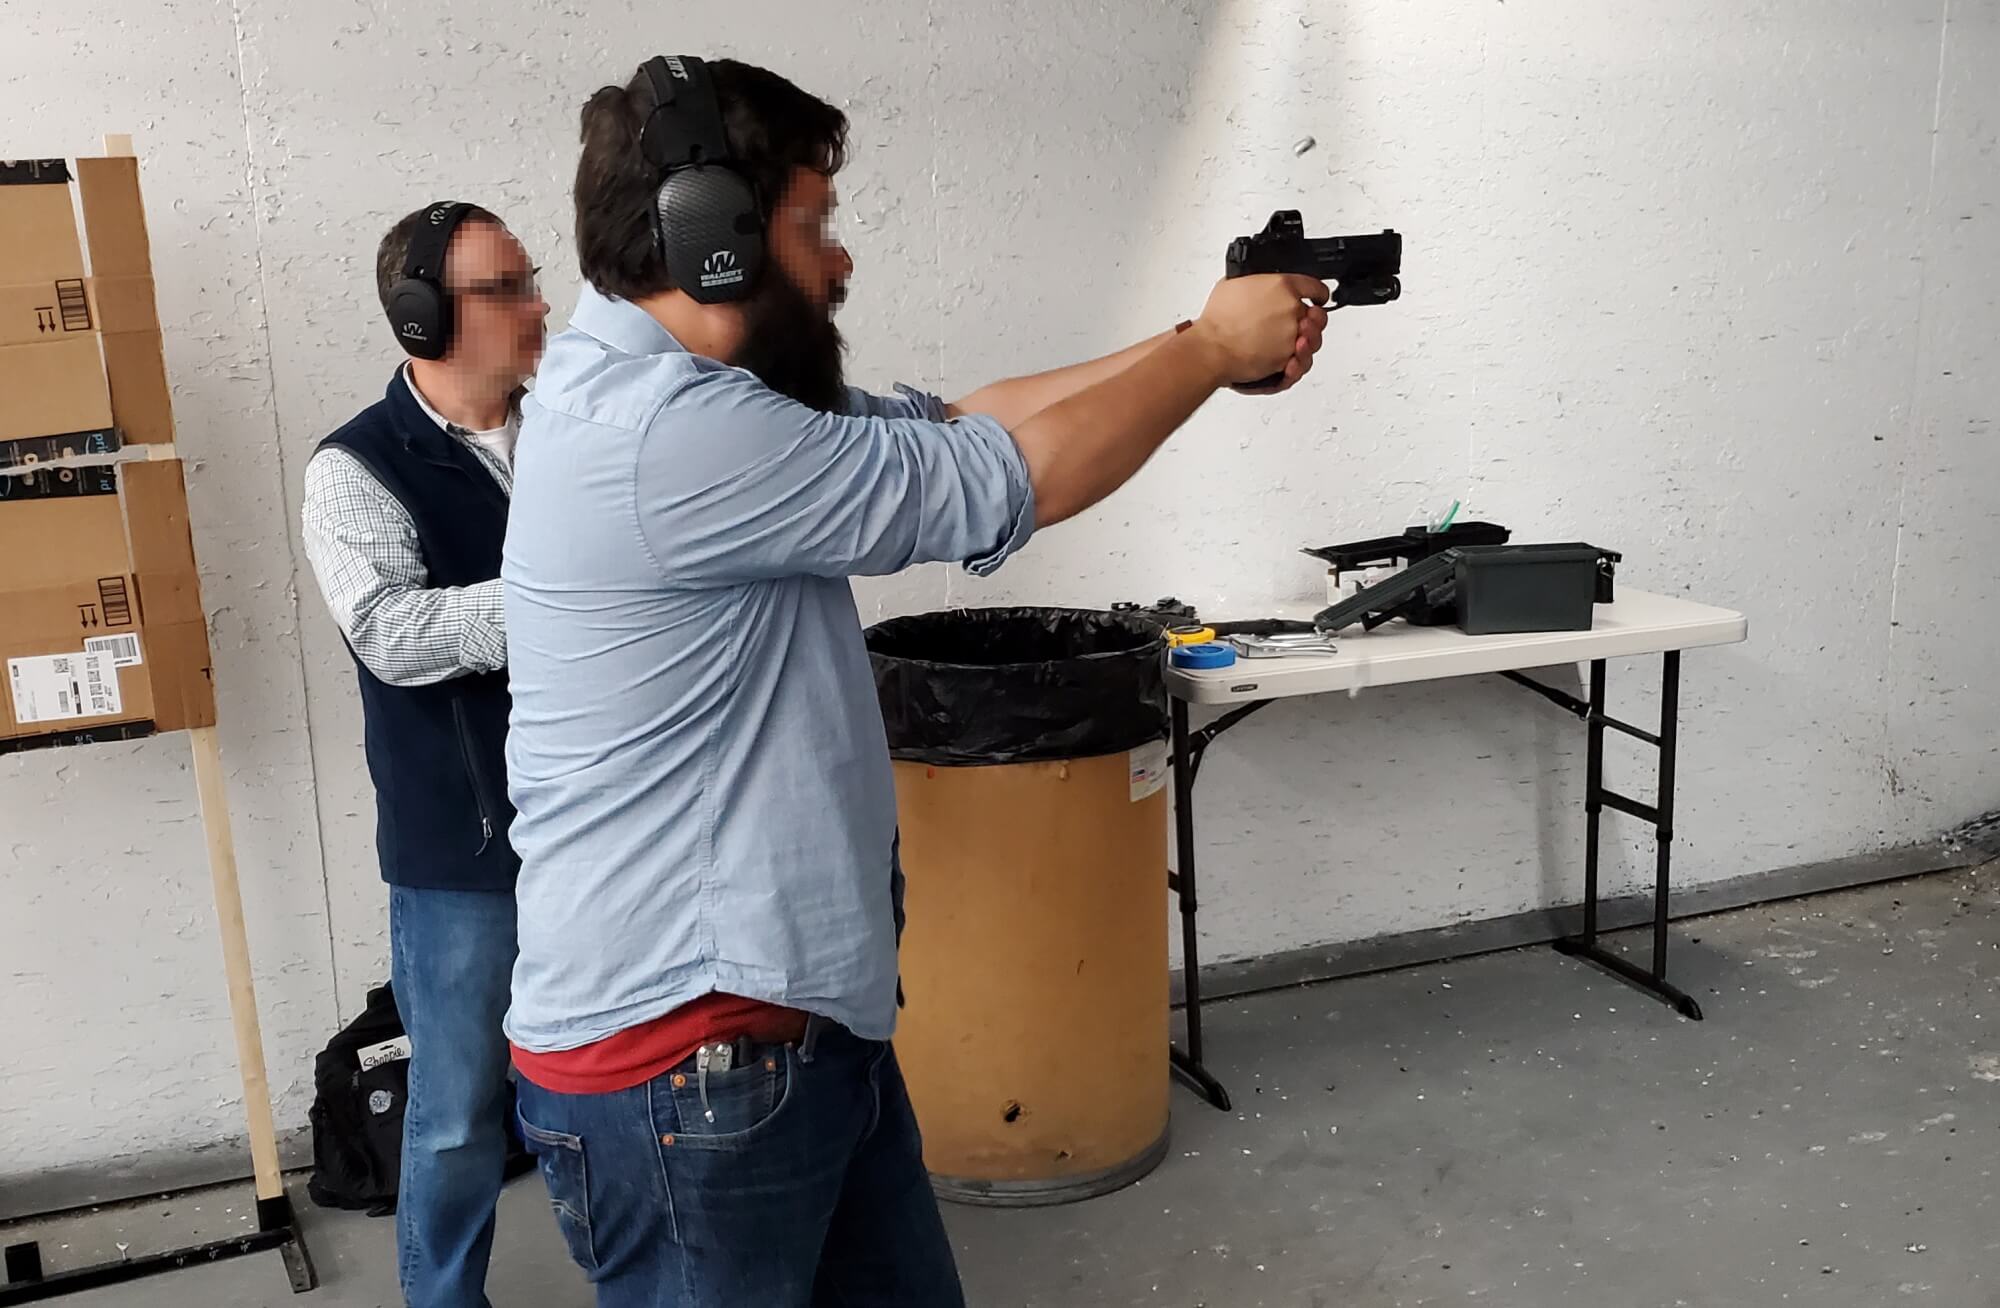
792,345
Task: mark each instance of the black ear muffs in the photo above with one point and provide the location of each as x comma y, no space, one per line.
420,309
706,218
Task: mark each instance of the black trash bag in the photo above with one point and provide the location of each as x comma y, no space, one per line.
968,687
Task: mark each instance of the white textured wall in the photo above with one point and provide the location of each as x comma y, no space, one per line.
1709,283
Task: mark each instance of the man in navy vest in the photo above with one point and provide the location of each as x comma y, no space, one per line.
405,511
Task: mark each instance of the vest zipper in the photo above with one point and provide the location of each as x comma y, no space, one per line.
472,775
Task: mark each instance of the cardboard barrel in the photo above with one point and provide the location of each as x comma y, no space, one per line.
1029,747
1035,974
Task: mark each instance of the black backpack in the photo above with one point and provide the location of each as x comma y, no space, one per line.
360,1082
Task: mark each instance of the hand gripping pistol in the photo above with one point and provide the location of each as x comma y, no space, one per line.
1362,269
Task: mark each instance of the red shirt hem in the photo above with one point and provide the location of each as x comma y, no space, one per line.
637,1054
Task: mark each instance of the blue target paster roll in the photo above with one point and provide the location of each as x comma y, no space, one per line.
1210,654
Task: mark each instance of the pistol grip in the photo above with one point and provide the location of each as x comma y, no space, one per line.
1265,384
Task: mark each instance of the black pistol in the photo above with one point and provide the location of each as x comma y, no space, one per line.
1362,269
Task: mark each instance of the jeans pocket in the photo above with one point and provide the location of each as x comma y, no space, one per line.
567,1177
735,1107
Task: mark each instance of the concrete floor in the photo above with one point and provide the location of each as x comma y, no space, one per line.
1515,1130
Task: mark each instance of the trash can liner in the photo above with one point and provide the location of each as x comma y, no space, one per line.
971,687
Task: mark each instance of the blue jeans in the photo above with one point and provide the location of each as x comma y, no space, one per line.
452,961
807,1187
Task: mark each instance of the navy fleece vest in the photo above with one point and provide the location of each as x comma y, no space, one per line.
437,752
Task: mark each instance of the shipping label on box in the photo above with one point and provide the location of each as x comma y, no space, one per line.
73,656
58,687
124,651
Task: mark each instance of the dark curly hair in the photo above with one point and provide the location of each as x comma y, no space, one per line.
773,128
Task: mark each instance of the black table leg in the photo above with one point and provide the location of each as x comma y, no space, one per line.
1188,1063
1670,731
1597,798
1593,810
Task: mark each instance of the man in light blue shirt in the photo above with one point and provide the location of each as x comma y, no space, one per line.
708,898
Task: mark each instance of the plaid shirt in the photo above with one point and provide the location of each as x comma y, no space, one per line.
362,545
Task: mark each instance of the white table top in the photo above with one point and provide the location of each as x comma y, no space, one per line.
1397,653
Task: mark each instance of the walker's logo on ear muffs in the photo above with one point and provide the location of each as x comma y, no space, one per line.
439,214
414,331
720,269
707,220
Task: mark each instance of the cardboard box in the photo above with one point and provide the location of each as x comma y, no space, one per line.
32,313
121,262
80,347
37,222
53,388
104,635
101,627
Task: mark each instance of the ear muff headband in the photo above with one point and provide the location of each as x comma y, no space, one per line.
420,309
685,125
706,219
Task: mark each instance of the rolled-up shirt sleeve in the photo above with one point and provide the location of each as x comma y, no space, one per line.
907,402
736,483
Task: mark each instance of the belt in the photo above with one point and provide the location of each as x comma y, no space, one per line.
786,1028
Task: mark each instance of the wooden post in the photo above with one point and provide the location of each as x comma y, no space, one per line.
236,960
229,917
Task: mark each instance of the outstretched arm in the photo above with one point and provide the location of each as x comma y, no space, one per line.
1016,399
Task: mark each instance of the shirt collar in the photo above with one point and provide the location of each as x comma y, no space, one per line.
445,424
621,324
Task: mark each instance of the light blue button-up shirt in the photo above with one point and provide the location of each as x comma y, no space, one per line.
696,751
